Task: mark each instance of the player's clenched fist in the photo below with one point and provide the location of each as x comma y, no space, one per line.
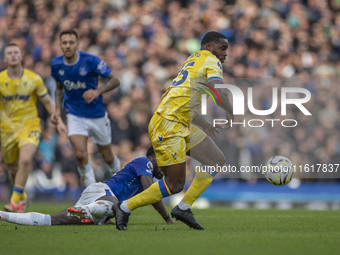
90,95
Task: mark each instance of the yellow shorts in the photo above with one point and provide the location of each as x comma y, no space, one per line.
171,140
11,141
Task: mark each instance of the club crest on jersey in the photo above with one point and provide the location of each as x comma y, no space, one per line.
61,72
82,71
149,167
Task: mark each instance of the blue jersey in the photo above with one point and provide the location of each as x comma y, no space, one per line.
126,182
78,77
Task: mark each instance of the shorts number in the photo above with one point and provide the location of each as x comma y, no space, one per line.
35,134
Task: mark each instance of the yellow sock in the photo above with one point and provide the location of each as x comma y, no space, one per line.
17,193
201,181
23,196
151,195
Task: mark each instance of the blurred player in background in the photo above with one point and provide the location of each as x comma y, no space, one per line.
76,74
96,202
174,137
20,124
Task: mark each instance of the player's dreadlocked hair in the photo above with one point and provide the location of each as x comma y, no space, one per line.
211,37
150,152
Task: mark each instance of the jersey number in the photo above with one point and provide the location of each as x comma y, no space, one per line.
184,73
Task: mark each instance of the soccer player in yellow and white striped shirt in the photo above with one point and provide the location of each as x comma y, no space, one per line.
173,136
20,124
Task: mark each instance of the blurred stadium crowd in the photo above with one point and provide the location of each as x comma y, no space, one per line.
145,42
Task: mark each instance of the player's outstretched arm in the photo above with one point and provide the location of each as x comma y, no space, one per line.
159,206
112,83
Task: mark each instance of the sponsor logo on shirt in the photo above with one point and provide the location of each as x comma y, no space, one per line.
70,85
16,97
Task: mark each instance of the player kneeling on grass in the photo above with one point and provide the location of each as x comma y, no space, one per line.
95,203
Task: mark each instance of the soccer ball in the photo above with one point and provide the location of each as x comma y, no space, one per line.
279,170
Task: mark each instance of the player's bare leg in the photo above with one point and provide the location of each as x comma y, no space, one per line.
208,154
63,218
13,169
174,177
173,182
101,207
79,143
111,160
18,200
27,152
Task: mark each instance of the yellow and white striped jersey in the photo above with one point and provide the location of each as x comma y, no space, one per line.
18,99
182,99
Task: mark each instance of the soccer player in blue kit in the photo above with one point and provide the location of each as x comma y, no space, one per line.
95,203
76,74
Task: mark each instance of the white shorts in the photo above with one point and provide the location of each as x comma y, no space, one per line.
91,194
98,129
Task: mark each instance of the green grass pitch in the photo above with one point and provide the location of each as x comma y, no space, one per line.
227,231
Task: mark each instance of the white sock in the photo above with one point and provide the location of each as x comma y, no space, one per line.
32,218
183,206
87,174
100,207
124,208
114,166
